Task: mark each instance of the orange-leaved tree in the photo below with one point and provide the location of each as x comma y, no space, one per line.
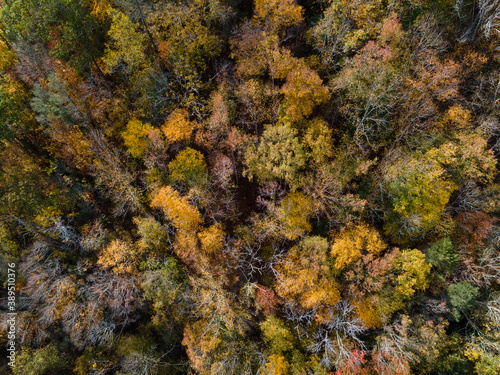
184,217
178,127
304,276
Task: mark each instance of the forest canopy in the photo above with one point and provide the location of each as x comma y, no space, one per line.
281,187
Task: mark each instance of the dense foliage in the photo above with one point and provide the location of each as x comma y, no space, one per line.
283,187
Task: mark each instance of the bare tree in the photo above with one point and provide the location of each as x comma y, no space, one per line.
337,336
141,363
482,21
244,257
391,355
427,37
468,198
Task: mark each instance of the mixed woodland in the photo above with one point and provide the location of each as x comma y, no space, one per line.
270,187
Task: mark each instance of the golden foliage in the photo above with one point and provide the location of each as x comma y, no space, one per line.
248,48
186,39
187,249
127,44
277,14
199,343
468,157
100,8
304,275
303,90
177,209
368,314
278,155
280,61
60,293
293,213
318,138
136,137
72,144
276,334
420,191
351,244
188,167
211,239
7,56
178,127
81,148
277,365
120,256
412,272
456,117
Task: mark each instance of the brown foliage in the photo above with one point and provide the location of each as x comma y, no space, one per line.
472,230
267,300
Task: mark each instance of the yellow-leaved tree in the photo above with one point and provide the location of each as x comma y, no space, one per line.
277,365
178,127
274,15
412,271
126,47
184,217
353,243
135,137
211,239
188,168
120,256
293,214
419,191
304,276
198,247
279,155
7,56
303,90
467,157
318,141
187,219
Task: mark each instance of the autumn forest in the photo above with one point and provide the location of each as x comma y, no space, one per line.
234,187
